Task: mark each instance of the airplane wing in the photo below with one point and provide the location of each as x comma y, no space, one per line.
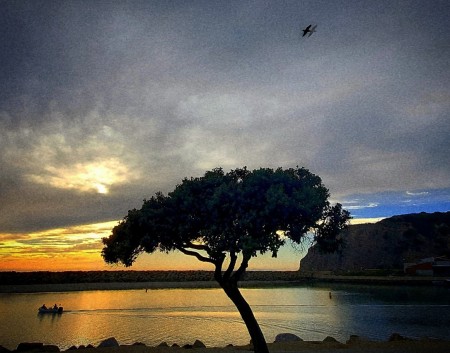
306,30
312,30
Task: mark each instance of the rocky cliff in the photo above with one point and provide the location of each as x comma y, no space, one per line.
386,244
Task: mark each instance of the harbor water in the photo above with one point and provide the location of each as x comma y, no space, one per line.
183,315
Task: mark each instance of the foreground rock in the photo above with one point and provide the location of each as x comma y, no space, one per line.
398,337
109,342
287,343
198,344
28,346
287,337
37,346
354,339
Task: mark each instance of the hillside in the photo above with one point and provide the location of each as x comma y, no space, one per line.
386,244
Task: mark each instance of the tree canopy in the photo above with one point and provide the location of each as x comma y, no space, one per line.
234,215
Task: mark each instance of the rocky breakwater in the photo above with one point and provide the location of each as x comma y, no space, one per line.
38,347
284,342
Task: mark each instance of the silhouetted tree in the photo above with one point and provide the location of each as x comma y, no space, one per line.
226,219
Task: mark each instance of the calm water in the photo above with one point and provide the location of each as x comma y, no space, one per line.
183,315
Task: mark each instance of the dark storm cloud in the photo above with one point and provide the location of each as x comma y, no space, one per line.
104,103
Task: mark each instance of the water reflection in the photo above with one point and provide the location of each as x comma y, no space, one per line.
50,316
183,315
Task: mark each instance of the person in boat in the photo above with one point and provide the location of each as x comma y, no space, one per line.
55,307
43,307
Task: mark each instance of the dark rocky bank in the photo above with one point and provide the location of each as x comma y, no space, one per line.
386,245
38,347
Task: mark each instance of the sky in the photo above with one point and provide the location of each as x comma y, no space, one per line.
104,103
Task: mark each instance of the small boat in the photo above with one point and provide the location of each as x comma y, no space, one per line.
45,310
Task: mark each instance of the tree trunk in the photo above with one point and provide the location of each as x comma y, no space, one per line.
258,340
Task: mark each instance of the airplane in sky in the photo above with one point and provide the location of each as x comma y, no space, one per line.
309,30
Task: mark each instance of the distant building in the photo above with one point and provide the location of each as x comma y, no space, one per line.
430,266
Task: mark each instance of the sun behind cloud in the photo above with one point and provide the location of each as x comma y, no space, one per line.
96,176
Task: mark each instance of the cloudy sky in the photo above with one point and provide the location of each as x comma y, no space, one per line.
104,103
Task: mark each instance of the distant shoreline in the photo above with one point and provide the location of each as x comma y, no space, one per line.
33,282
72,287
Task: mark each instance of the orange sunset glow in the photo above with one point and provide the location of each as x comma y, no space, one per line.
79,248
71,248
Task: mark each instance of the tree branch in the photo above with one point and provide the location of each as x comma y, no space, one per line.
218,270
199,247
244,264
229,271
196,254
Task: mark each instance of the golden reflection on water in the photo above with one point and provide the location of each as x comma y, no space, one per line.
183,315
170,315
175,315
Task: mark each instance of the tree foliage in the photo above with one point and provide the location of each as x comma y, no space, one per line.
234,215
243,211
